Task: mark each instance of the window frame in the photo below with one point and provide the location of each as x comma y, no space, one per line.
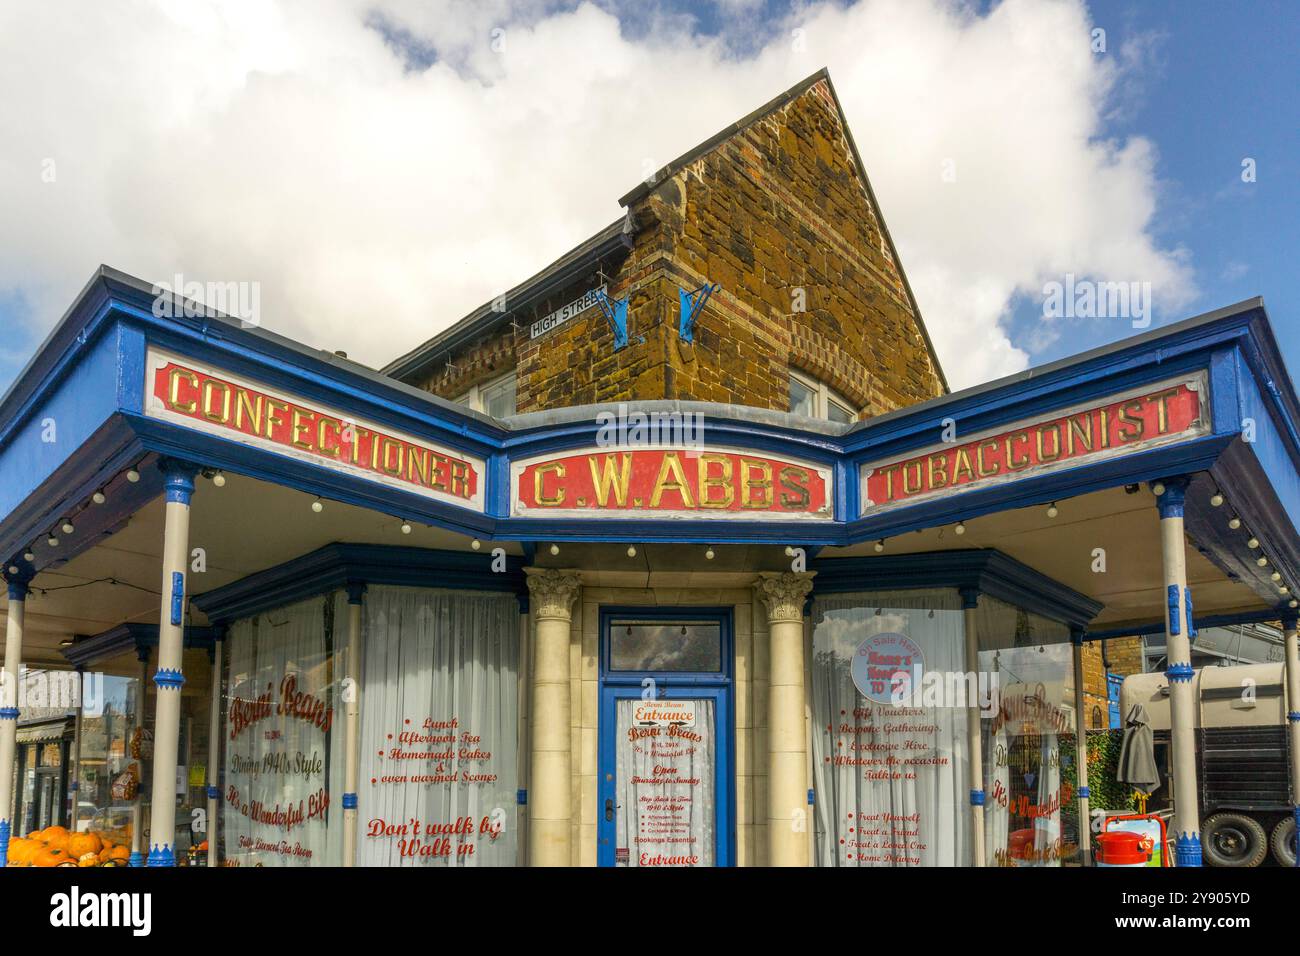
824,397
473,396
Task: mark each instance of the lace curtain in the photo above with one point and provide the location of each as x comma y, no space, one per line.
284,764
891,785
439,728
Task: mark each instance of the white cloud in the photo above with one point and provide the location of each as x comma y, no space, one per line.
377,200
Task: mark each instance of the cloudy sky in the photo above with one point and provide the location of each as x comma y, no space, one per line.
383,167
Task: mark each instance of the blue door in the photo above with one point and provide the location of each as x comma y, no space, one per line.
667,768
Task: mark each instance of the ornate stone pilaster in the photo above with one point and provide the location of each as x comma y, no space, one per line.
550,813
784,595
552,592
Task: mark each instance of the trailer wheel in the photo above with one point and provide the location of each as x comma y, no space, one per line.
1283,842
1233,839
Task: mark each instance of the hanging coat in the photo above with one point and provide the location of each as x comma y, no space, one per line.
1137,753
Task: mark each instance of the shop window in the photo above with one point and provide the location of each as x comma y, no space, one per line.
815,399
1030,814
891,688
889,766
495,397
105,755
439,729
641,645
283,737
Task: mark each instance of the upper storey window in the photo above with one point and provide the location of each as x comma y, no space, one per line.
495,397
818,400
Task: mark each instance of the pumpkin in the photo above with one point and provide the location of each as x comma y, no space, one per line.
88,859
119,854
21,851
49,833
48,856
81,844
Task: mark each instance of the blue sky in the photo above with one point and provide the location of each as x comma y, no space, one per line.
392,162
1223,85
1217,83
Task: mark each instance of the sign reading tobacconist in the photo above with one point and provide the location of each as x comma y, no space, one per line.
1138,420
219,403
671,483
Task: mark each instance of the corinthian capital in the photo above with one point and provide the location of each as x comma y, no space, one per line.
783,594
552,591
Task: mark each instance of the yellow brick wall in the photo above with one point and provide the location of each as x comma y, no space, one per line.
779,217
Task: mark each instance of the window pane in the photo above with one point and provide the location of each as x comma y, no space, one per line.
803,400
499,398
665,645
837,412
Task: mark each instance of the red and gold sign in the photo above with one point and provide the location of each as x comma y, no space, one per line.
1168,412
699,484
222,404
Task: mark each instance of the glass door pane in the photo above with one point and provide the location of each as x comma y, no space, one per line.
665,813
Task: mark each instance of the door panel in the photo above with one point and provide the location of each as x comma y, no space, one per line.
666,767
665,782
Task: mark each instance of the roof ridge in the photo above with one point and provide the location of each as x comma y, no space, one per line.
726,133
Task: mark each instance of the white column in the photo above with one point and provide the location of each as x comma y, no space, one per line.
974,756
551,596
783,594
9,705
352,723
74,784
137,807
1182,707
1293,715
179,484
1081,752
214,754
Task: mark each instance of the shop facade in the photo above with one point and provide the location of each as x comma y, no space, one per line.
346,617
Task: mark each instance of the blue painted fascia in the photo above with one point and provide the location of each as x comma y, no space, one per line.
1266,616
335,566
984,570
1164,353
131,637
91,371
1196,455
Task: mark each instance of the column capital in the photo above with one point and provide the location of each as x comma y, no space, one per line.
552,591
1170,494
17,587
178,478
783,593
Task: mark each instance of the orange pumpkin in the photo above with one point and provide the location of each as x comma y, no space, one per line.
21,851
119,854
79,844
48,856
49,833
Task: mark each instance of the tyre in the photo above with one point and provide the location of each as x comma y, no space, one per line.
1283,842
1233,839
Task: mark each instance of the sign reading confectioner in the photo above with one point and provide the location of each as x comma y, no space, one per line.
1158,415
219,403
671,482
